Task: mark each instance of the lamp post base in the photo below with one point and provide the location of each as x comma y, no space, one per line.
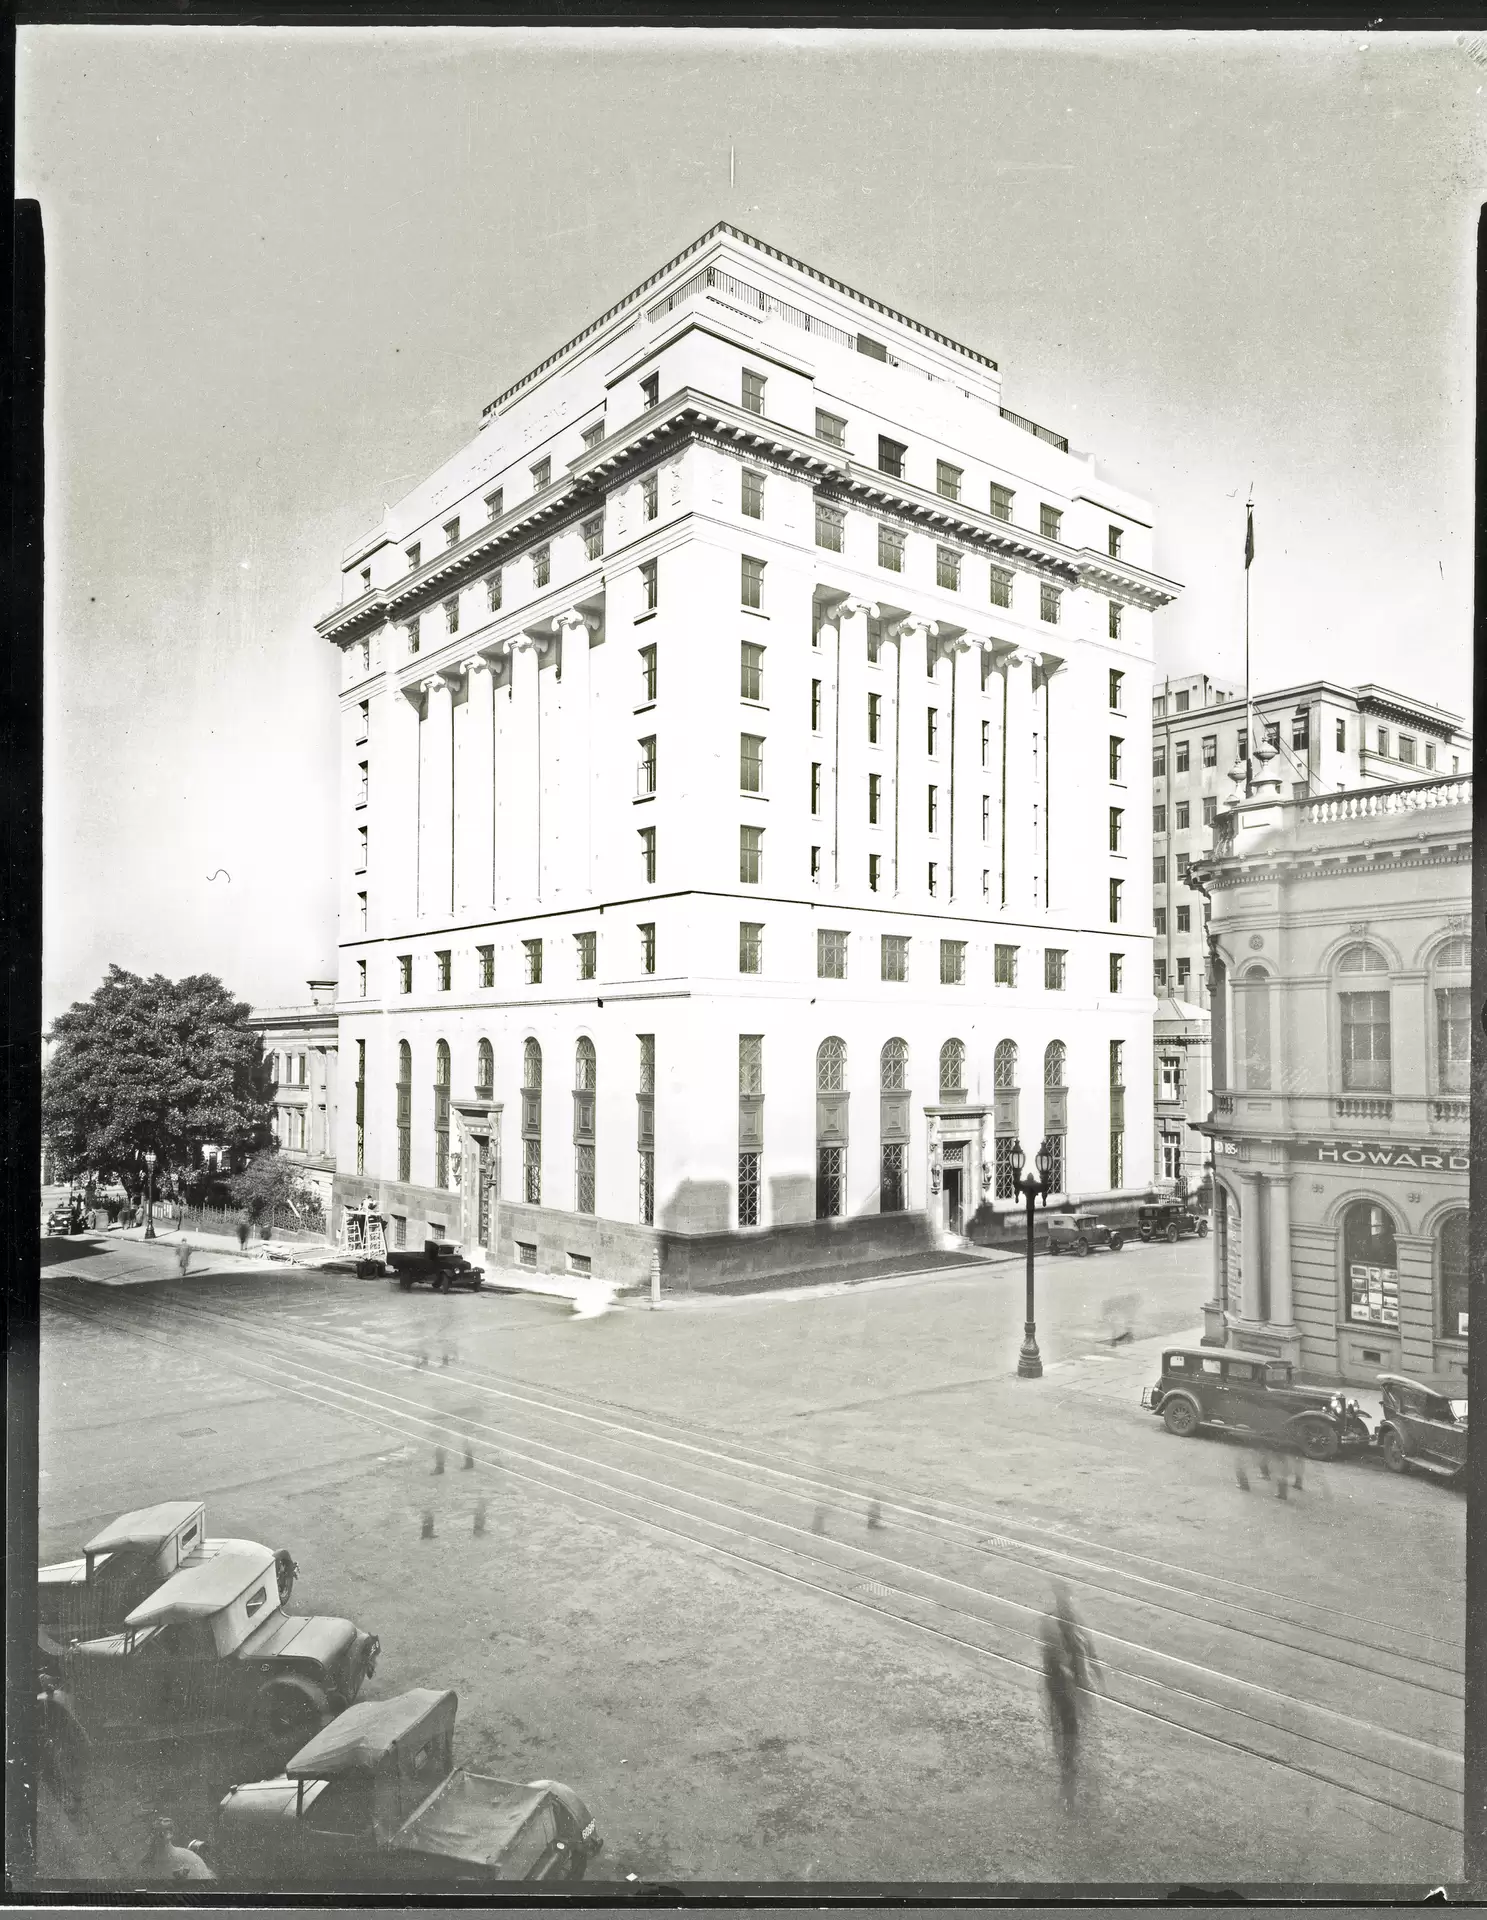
149,1233
1029,1360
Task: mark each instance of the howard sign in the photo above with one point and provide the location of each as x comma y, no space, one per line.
1352,1153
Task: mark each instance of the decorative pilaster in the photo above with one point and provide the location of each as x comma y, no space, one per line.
436,799
913,770
572,853
853,838
1251,1245
519,821
1279,1236
475,789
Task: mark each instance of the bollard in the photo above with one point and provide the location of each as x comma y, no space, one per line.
438,1459
656,1277
428,1524
469,1457
479,1516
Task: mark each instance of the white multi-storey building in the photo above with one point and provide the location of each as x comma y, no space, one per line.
745,740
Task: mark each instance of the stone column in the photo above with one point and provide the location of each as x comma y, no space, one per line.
392,878
912,766
963,775
1045,879
475,789
520,819
573,862
436,799
1251,1249
849,794
1279,1185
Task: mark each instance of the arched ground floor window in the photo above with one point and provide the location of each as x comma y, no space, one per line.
1370,1265
1451,1256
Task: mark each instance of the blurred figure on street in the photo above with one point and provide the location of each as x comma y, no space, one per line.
1070,1667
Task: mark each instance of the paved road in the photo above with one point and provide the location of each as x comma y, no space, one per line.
765,1576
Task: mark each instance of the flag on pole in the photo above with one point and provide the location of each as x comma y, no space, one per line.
1249,534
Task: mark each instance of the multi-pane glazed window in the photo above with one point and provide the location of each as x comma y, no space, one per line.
831,524
1112,626
947,568
593,537
645,1128
531,1123
751,498
1001,587
1004,960
405,973
890,549
893,1105
648,854
750,946
532,958
649,585
831,428
891,457
444,962
1001,502
894,956
487,966
953,1071
953,962
1451,969
1050,522
1055,969
750,855
751,763
650,496
751,581
405,1110
585,1087
753,391
750,671
874,718
485,1071
831,954
1050,601
441,1115
947,480
649,677
361,1106
750,1126
831,1128
541,566
647,931
1365,1025
587,945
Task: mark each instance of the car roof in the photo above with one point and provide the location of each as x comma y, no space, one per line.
1446,1386
145,1527
1223,1353
205,1587
372,1729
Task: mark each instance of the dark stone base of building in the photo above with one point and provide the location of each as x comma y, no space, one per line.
422,1207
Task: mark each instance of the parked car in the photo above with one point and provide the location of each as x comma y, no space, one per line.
1423,1424
439,1266
1247,1393
1078,1232
1170,1220
65,1218
212,1651
127,1561
376,1797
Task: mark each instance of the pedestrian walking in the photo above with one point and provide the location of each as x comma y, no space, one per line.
1070,1667
183,1257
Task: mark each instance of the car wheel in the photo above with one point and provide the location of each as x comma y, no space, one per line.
1392,1448
405,1282
1180,1416
1171,1233
1202,1229
1117,1241
1318,1440
1145,1233
1081,1247
289,1713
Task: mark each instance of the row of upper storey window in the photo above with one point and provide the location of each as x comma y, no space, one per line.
1403,747
1181,814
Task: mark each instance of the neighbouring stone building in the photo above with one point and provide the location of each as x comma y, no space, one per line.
741,738
1342,938
301,1046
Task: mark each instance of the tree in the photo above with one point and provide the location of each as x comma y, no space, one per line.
168,1065
268,1182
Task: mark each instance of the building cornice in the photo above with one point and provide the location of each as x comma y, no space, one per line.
689,416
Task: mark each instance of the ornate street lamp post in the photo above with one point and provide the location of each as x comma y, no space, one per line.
1033,1187
150,1196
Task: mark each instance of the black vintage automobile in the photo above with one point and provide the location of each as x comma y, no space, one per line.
1170,1220
1249,1394
439,1266
1423,1424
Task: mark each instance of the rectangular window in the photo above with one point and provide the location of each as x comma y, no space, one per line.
414,632
931,731
444,962
751,498
874,798
1182,701
953,962
750,946
1210,810
750,855
831,428
542,473
541,566
1210,749
831,954
1117,1159
487,966
364,720
648,678
875,641
830,526
1159,919
1184,919
1184,971
893,959
890,549
646,780
593,538
1115,756
1340,737
648,854
1159,870
588,954
1181,756
650,496
405,973
493,591
1113,538
593,436
986,743
452,614
1159,761
751,1065
1184,814
1184,862
495,504
1159,819
361,979
452,532
748,1189
414,555
1005,960
1406,750
361,849
647,932
1159,974
1117,888
1117,816
947,568
815,865
1112,624
1430,756
1365,1042
1117,971
815,786
1050,522
1117,685
874,718
1001,502
932,810
986,816
1001,587
815,706
649,585
751,589
751,763
400,1225
1453,1037
947,480
751,671
650,391
1242,751
532,952
932,879
1049,602
874,871
753,391
891,457
1055,969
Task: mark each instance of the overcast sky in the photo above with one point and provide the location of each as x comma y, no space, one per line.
287,269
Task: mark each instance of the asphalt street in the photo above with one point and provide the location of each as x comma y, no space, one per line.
763,1577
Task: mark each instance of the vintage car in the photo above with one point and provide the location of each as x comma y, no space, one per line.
1078,1232
1247,1393
439,1266
1423,1424
376,1797
135,1554
1170,1220
212,1651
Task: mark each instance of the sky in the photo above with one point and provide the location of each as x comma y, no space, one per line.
286,269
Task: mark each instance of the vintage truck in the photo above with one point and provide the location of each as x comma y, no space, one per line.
212,1651
124,1564
376,1798
440,1266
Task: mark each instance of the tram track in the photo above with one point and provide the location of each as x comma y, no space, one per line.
1416,1775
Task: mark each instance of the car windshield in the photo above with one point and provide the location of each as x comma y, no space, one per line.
1458,1410
1277,1375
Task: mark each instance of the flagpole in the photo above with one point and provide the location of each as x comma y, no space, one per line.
1249,716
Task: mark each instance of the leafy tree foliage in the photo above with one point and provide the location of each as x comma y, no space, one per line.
268,1182
170,1065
